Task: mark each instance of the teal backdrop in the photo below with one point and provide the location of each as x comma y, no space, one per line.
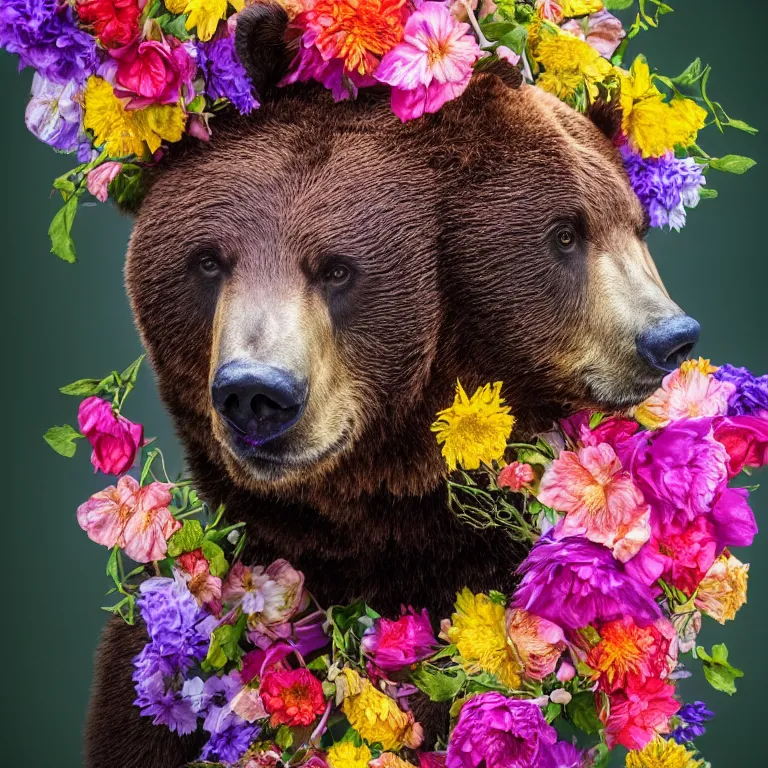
63,322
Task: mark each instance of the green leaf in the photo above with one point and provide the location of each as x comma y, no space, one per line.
690,75
284,737
225,645
174,25
595,419
600,756
552,711
214,554
732,164
187,539
60,230
583,714
706,193
618,5
719,673
532,456
495,30
112,568
62,440
515,39
740,125
81,387
438,685
131,372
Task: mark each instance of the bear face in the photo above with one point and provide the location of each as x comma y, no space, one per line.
311,283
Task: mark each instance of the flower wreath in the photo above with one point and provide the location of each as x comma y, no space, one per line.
117,81
629,520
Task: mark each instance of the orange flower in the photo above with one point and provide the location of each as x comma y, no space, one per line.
358,32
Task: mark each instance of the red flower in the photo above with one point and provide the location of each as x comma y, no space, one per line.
515,476
292,698
116,22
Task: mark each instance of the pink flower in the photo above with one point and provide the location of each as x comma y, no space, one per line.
201,583
600,500
393,645
734,520
433,63
690,392
508,55
603,32
689,554
248,705
431,759
539,643
136,519
115,440
152,72
611,430
99,179
639,712
515,476
551,10
745,439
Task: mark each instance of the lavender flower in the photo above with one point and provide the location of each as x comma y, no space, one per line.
218,692
230,744
45,36
167,706
225,76
751,395
54,114
666,185
692,719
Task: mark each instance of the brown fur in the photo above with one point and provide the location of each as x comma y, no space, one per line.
450,222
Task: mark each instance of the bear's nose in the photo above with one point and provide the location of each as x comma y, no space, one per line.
668,343
258,401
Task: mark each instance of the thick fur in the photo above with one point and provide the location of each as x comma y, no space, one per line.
451,222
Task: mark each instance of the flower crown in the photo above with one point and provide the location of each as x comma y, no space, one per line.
117,81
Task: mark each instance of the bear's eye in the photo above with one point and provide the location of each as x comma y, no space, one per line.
209,265
337,275
566,237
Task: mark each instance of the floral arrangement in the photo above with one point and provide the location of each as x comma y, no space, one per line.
630,520
118,81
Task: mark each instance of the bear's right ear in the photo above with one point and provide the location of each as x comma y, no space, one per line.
260,44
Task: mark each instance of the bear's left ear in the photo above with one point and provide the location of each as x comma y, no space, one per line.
260,44
606,115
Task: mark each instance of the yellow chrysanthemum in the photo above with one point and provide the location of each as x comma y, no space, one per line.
203,14
377,717
724,588
702,365
474,429
573,8
479,630
653,125
346,755
160,122
663,753
568,63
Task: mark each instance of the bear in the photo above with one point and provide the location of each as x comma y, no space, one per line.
311,284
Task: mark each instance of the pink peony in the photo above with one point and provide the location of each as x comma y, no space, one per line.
433,63
99,179
688,555
603,31
115,440
134,518
539,643
600,500
152,72
393,645
515,476
745,439
639,712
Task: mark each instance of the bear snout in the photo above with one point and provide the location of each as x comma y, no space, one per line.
669,342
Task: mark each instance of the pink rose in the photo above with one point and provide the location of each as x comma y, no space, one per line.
99,179
152,72
115,440
515,476
134,518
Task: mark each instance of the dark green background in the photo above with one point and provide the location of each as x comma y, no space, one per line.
64,322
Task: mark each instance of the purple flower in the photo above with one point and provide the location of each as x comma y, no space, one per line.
561,755
45,36
666,185
225,76
692,719
734,520
498,732
751,395
574,582
230,744
164,704
54,114
218,692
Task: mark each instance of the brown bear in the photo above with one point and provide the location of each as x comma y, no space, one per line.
311,284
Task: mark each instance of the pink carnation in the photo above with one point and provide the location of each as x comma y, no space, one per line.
689,554
433,63
115,440
134,518
515,476
600,500
393,645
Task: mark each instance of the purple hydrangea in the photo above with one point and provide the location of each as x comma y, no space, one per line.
44,35
692,718
666,185
230,744
574,582
497,732
225,76
751,395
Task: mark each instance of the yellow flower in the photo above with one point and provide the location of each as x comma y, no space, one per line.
655,126
479,630
377,717
388,760
573,8
568,63
663,753
203,14
160,123
474,430
345,754
702,365
723,590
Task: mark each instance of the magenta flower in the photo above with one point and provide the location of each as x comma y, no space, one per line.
745,439
115,440
99,179
392,645
497,732
574,582
734,520
433,63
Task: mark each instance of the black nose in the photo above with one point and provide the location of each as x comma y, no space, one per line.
258,401
668,343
